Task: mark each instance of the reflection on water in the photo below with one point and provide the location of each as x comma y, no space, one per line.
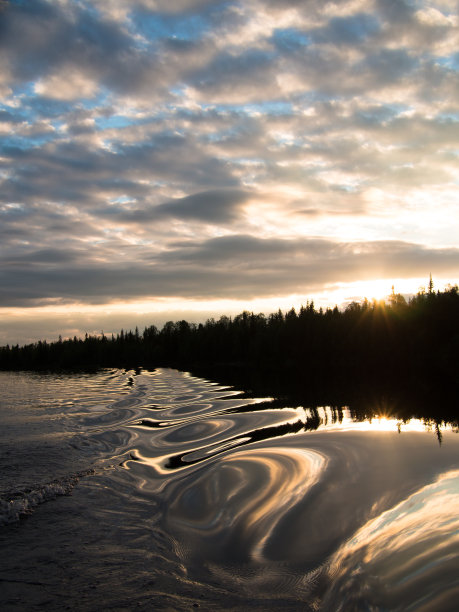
228,512
277,499
404,559
251,501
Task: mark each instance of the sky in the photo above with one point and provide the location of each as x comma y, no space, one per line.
162,160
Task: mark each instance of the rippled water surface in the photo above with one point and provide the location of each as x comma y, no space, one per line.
159,490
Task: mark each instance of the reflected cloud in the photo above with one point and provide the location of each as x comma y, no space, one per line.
233,506
403,558
279,501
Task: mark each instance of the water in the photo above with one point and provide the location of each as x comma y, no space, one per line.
162,491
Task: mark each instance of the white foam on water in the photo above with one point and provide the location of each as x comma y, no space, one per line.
20,504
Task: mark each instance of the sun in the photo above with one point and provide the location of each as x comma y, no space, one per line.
375,289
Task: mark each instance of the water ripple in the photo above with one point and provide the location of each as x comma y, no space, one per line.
250,498
405,558
229,510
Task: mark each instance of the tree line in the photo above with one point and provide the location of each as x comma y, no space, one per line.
394,339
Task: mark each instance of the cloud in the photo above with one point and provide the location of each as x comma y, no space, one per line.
210,206
66,84
217,268
350,30
222,149
46,256
213,206
53,43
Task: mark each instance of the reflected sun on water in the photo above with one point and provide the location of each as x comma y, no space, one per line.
329,418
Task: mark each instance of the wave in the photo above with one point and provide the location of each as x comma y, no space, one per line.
22,503
404,558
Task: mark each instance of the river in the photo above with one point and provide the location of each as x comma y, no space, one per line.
159,490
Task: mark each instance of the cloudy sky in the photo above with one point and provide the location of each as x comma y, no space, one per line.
164,159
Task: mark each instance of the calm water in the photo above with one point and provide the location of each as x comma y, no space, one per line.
161,491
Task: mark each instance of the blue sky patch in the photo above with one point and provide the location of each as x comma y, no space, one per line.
290,40
157,27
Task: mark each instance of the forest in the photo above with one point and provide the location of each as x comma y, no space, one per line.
385,347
